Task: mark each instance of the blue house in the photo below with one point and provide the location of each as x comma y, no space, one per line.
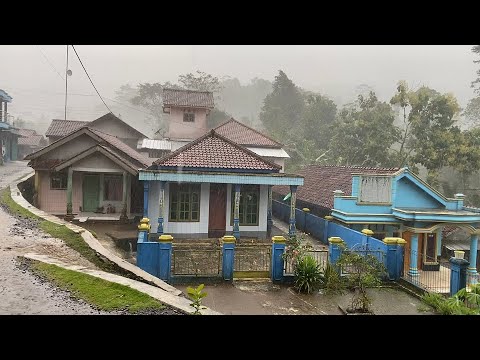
390,202
8,134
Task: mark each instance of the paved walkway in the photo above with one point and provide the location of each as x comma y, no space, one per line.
180,303
20,291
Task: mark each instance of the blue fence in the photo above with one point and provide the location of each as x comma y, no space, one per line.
322,229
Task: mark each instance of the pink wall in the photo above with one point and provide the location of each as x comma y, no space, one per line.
55,201
186,130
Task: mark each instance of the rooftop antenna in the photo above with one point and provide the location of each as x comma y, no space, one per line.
68,73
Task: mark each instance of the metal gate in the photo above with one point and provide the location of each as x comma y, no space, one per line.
252,261
433,273
197,260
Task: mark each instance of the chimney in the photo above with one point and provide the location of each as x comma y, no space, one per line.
459,197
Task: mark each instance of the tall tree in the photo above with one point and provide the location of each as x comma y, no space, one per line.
282,108
476,83
465,156
402,100
472,113
200,81
432,119
364,133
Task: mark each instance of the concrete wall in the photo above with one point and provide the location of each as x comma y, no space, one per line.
178,129
55,201
71,148
97,162
409,195
278,161
116,128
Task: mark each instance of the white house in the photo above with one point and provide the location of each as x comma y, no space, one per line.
210,187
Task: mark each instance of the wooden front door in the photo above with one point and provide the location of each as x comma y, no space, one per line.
91,190
217,214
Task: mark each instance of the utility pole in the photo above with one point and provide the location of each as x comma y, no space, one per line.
66,85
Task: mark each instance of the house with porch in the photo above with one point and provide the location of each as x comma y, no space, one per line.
88,173
392,203
213,187
108,123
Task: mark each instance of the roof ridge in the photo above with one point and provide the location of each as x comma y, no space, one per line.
213,133
189,90
250,128
84,121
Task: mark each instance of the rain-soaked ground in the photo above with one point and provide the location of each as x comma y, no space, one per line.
264,298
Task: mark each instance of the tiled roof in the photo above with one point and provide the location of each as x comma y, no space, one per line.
120,145
64,127
213,151
244,135
33,140
322,181
191,98
26,132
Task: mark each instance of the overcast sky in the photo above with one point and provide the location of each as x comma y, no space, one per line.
37,89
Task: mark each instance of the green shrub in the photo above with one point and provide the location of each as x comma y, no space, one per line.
308,275
331,281
196,295
454,305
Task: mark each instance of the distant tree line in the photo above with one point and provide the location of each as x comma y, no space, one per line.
417,127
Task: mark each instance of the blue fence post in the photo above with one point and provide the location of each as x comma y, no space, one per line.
458,274
335,248
228,257
400,256
392,249
366,233
143,229
165,257
306,211
328,218
278,249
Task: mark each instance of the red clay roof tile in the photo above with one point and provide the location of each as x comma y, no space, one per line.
214,151
244,135
180,97
322,180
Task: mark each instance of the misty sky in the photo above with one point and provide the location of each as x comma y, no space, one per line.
336,71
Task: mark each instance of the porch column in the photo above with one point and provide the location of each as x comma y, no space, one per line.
123,216
145,198
293,201
1,110
161,206
269,211
6,112
472,268
413,270
236,212
36,185
439,242
69,215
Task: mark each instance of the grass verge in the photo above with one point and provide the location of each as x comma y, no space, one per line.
6,199
102,294
71,239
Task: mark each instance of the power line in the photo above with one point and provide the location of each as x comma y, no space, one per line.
73,47
46,58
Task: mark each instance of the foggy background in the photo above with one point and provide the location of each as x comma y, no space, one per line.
32,74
